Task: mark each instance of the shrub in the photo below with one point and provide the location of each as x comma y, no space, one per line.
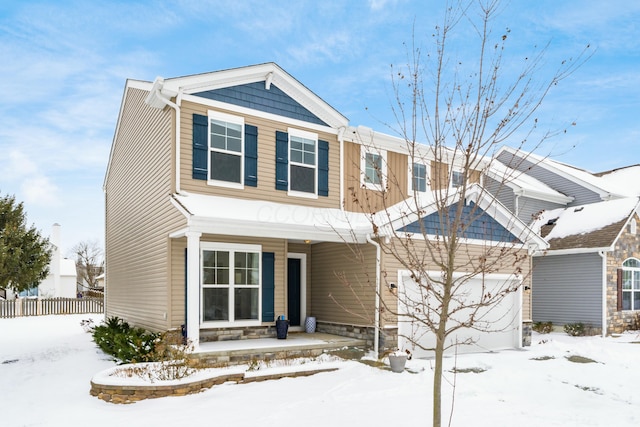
128,345
575,329
542,327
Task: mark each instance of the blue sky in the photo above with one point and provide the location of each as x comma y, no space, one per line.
64,66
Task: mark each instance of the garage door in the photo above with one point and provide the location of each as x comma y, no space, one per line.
497,326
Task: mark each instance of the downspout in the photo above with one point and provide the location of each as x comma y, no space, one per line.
603,255
176,107
376,322
342,165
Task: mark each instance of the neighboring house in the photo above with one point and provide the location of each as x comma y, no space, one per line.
588,275
61,280
236,196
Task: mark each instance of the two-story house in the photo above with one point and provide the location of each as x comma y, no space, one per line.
237,196
591,272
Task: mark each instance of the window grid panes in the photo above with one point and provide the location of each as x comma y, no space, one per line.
226,151
302,164
457,179
631,284
230,285
373,169
419,177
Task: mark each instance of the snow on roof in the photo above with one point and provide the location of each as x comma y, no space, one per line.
586,218
625,181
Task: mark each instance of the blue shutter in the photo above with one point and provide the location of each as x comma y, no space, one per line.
323,168
268,286
250,155
200,148
282,161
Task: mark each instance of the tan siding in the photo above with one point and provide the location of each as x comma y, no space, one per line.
439,175
266,163
343,286
359,199
391,265
178,284
139,215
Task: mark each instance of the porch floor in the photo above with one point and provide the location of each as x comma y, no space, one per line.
297,344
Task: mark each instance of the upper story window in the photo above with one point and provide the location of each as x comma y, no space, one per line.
226,148
372,166
419,177
631,284
633,226
457,178
303,161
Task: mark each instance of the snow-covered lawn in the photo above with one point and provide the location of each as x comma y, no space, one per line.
46,364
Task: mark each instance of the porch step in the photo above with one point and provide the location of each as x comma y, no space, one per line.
296,345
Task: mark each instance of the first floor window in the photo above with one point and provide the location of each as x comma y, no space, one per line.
230,284
631,284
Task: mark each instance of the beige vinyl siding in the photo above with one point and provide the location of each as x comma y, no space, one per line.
266,189
139,215
277,246
359,199
506,264
343,285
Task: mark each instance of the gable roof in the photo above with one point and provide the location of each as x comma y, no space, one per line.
403,214
525,185
268,73
582,177
590,227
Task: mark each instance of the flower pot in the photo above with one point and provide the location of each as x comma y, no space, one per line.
397,362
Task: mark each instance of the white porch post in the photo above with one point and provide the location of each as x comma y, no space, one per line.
193,287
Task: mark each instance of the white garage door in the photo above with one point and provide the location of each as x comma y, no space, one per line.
498,326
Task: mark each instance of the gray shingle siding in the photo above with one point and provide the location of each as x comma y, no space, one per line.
257,97
568,289
581,194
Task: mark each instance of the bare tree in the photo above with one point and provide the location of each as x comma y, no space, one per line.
89,262
454,113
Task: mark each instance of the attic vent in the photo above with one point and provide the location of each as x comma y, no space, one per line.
552,221
578,209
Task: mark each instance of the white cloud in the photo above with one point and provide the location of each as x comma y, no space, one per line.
39,190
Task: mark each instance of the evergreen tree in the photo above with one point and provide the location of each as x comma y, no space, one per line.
24,253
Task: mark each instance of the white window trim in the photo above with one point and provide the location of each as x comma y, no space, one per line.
363,165
410,183
633,290
306,135
231,247
458,170
239,120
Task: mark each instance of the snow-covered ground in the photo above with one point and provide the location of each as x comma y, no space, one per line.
46,364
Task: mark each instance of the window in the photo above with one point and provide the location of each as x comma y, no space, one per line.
372,166
631,284
633,226
302,161
230,283
226,148
419,173
457,178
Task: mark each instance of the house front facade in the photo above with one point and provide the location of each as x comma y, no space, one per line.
238,196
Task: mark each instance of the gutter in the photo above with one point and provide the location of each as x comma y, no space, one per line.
152,99
341,141
376,332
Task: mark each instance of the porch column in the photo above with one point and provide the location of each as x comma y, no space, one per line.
193,287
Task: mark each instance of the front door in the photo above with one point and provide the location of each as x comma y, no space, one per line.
294,290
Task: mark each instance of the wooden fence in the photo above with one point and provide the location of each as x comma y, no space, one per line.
38,307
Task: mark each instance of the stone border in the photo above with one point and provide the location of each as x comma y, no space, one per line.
134,393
